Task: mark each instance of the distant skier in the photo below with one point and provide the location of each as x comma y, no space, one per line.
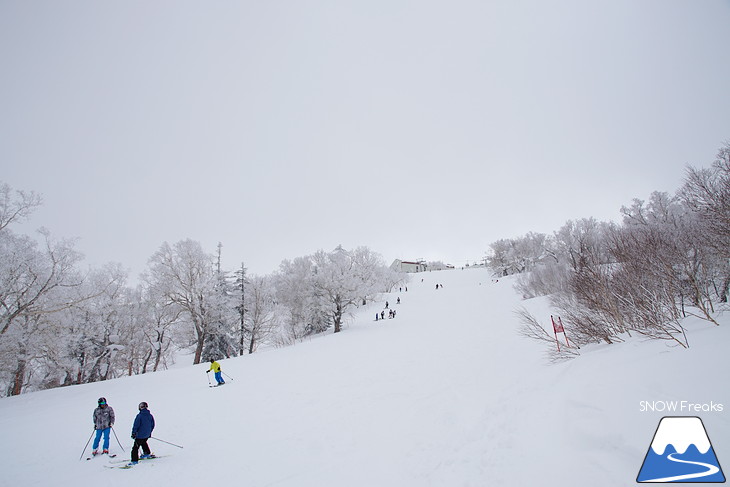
398,301
386,305
103,422
377,316
144,423
382,315
216,367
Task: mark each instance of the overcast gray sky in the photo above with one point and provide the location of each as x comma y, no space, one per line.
416,128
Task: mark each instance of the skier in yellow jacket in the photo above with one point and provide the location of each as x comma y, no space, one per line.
216,367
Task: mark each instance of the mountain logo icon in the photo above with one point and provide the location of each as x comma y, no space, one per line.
681,452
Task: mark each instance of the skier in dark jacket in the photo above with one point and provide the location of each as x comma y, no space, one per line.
103,422
144,423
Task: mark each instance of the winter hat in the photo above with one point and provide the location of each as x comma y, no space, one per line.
142,405
102,401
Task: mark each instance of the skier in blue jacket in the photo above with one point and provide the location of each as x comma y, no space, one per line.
144,423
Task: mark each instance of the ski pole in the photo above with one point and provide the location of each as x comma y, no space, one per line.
173,444
227,375
208,376
115,436
87,444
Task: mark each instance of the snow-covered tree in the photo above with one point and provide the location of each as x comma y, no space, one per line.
16,206
343,278
707,194
581,243
34,282
664,239
315,292
184,275
668,258
240,285
106,317
149,336
304,312
261,319
220,340
517,255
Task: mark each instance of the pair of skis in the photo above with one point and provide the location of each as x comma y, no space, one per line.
125,463
100,454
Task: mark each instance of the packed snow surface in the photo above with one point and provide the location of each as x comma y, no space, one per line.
446,394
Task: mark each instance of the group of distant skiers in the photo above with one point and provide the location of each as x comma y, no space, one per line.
381,315
391,312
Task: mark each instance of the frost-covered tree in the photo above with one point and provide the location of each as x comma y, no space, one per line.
16,206
106,317
150,331
304,312
220,340
261,319
240,285
390,278
582,243
184,275
315,292
664,240
707,194
669,257
518,255
342,278
34,283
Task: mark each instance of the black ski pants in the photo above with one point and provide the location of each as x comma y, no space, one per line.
135,448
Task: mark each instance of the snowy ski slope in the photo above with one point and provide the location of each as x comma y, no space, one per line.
445,394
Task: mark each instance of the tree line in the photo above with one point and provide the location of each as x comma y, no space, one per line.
668,258
60,325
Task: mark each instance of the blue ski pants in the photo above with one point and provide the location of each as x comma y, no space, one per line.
219,377
105,431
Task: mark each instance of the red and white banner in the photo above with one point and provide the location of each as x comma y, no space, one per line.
559,328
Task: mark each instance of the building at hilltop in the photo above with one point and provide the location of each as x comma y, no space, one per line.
409,266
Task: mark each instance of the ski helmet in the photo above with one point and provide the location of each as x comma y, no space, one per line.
102,400
142,405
